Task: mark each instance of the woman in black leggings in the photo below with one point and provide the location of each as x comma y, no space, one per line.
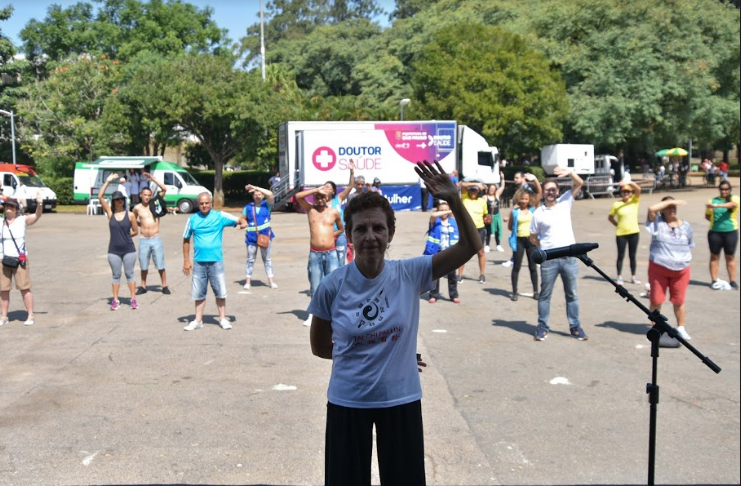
519,240
624,216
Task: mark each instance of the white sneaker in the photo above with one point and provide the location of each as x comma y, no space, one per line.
307,322
487,249
224,323
4,320
682,332
247,286
508,263
273,285
30,321
193,325
499,248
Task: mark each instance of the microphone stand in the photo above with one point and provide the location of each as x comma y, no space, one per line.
660,326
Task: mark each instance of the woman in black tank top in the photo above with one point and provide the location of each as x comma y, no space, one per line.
121,250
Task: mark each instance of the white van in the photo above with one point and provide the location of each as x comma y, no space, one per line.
11,176
182,188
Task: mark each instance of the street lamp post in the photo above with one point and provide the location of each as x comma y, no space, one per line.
262,41
12,130
402,104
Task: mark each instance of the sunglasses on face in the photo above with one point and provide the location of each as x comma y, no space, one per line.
626,192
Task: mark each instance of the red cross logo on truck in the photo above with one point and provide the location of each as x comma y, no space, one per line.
324,158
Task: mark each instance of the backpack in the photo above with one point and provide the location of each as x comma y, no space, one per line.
158,206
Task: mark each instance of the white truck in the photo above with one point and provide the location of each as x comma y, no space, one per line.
311,153
598,172
182,188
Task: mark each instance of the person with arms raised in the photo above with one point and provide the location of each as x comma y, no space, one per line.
366,320
325,225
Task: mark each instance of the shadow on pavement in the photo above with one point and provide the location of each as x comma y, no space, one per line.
519,326
301,314
630,328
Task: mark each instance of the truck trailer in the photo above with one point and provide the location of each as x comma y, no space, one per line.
311,153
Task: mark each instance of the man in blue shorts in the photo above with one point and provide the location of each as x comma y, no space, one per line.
150,243
206,228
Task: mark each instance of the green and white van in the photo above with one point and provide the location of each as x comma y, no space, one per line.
182,188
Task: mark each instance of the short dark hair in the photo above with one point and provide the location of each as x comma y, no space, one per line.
334,187
369,200
550,181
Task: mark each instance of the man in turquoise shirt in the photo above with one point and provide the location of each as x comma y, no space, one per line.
206,228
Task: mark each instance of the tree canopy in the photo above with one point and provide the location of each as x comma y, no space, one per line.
127,77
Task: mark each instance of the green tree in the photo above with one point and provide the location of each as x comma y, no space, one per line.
206,98
10,70
490,80
64,118
295,19
409,8
122,28
641,74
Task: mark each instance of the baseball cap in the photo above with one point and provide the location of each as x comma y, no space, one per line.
473,188
12,202
376,180
117,195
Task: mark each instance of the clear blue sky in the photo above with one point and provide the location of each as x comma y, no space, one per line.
234,15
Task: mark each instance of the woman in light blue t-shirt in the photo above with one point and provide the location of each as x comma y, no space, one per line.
365,319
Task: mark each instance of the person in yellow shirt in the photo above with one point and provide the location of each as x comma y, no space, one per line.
624,216
477,208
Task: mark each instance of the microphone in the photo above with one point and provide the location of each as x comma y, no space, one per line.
539,256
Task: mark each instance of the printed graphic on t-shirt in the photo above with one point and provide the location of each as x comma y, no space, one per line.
372,310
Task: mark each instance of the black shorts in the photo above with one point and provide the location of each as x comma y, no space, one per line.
723,240
482,234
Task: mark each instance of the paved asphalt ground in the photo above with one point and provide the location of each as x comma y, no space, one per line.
89,396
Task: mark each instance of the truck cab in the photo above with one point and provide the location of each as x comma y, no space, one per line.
477,160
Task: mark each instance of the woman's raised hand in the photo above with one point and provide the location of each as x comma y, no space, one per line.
437,181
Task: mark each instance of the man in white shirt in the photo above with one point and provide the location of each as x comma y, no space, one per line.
551,228
21,194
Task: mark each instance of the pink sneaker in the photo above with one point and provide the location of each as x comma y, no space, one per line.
134,305
115,305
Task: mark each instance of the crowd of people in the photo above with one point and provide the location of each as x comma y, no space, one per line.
355,288
540,218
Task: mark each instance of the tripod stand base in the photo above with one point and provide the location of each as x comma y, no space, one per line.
666,341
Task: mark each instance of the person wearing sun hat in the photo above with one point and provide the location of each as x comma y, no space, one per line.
477,207
121,250
624,216
13,246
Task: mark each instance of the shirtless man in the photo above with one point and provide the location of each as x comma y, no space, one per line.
150,243
322,220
